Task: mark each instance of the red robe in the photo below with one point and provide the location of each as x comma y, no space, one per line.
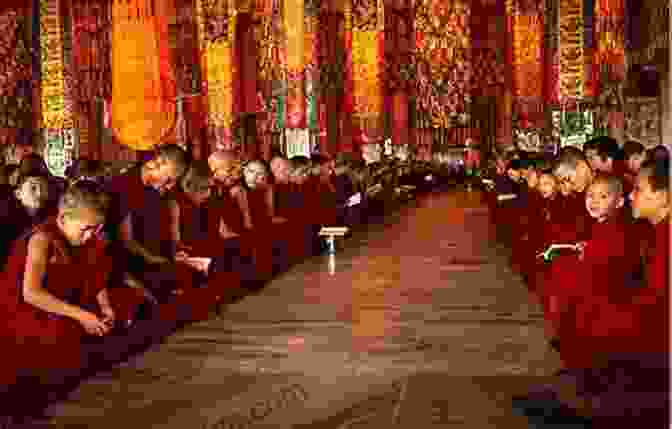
639,323
40,340
200,237
582,288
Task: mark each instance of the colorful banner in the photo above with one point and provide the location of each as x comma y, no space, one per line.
551,54
443,63
367,39
15,73
295,51
609,52
216,32
143,86
570,50
54,114
526,29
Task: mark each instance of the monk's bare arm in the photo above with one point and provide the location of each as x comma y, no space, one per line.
225,231
240,196
36,269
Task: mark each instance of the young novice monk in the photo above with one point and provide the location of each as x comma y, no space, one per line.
22,210
54,288
632,332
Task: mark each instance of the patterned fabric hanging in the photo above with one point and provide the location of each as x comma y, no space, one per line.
54,112
551,54
15,71
526,28
609,55
312,71
442,61
264,39
294,29
487,25
216,23
367,36
570,50
143,87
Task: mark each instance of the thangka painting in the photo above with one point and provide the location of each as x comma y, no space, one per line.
642,121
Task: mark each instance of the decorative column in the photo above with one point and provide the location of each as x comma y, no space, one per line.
216,34
57,121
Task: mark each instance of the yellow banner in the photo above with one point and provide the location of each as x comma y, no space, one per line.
53,87
570,21
366,74
143,91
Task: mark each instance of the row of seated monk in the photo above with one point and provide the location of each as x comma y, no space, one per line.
589,232
96,267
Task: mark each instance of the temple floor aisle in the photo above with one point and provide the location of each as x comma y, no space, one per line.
416,323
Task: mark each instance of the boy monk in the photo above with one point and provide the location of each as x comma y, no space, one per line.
54,288
574,175
633,332
576,282
22,210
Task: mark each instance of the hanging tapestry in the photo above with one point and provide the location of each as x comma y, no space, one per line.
488,65
526,29
570,49
54,112
551,54
294,27
312,70
264,40
442,61
91,50
143,86
367,38
609,52
216,21
15,71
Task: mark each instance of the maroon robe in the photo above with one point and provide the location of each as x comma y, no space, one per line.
73,275
200,237
582,288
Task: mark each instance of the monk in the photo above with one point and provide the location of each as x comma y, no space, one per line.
547,211
574,175
292,198
602,154
34,165
598,273
262,222
55,288
634,154
633,332
146,252
204,233
23,209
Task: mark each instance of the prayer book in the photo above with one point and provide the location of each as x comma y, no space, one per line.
548,253
506,197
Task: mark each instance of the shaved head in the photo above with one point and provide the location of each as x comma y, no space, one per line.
613,183
222,156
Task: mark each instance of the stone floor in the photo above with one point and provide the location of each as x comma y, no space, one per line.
416,323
